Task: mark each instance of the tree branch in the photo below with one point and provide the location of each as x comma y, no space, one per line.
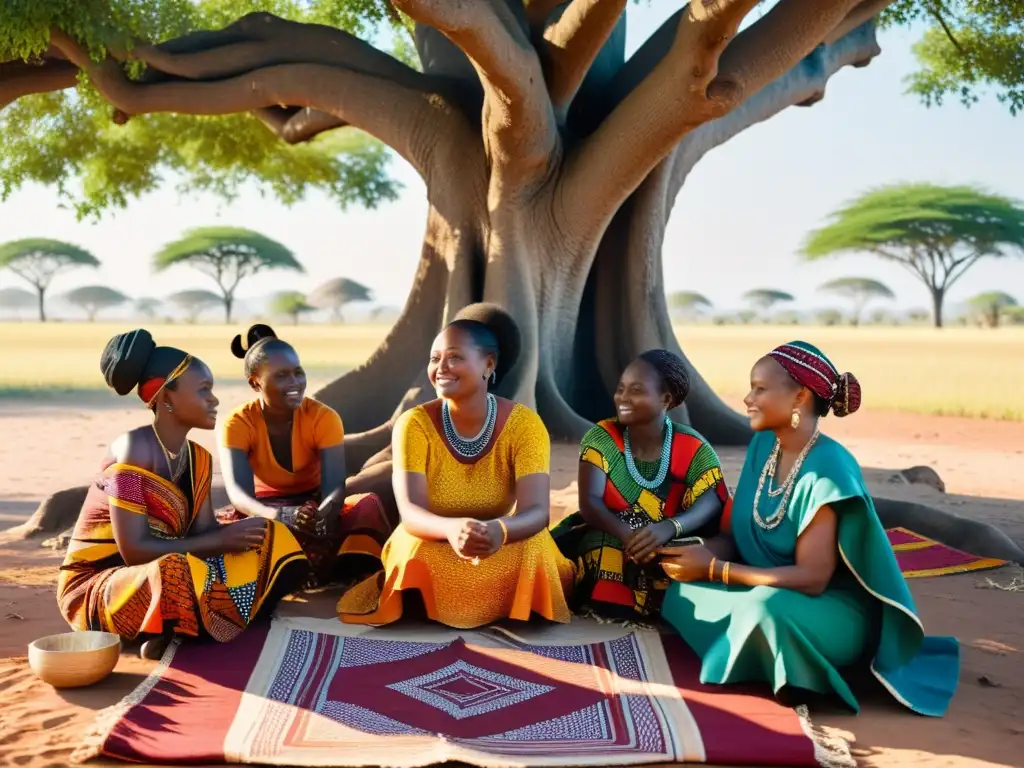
803,85
518,116
539,11
860,15
396,114
702,77
572,43
20,78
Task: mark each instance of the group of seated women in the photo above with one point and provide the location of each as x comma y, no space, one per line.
790,581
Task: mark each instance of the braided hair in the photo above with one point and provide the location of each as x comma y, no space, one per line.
493,332
672,371
260,341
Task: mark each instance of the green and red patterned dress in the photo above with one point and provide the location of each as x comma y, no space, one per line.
605,579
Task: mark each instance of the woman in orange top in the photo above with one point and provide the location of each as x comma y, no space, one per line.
283,458
473,539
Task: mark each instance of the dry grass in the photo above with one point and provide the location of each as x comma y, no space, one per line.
964,372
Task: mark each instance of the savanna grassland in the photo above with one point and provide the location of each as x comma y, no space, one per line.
956,371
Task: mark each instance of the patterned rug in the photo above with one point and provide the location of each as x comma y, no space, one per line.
919,556
314,692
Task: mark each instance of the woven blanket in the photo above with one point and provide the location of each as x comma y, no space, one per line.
314,692
919,556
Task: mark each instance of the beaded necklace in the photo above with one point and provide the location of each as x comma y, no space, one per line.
769,469
666,450
470,448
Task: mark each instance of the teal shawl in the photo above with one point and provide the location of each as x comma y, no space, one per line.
920,672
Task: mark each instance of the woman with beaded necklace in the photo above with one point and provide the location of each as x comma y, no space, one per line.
643,481
802,585
472,486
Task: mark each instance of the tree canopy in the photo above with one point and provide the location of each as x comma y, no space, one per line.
67,140
93,299
194,301
764,299
38,261
937,233
16,298
991,305
688,301
968,47
860,290
291,304
336,293
228,255
147,306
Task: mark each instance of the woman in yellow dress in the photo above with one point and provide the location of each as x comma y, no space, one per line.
472,486
283,458
147,557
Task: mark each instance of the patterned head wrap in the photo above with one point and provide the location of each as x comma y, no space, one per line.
133,361
809,367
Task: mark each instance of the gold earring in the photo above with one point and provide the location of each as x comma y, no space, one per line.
794,420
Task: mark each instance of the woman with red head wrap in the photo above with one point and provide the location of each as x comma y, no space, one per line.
803,584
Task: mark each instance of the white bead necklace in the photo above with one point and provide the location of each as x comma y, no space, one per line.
769,469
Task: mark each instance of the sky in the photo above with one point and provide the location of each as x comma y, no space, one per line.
737,224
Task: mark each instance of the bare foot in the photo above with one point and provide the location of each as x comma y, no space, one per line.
154,649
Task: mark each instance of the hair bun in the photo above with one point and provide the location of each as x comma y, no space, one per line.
123,360
847,397
505,330
256,333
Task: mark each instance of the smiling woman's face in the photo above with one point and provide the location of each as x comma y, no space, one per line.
641,396
281,379
458,368
773,396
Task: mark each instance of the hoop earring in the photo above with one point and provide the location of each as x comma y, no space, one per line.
794,420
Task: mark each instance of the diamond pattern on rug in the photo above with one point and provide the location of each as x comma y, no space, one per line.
462,690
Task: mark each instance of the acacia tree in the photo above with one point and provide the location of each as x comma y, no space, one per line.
937,233
38,261
147,306
763,299
194,301
860,290
292,304
93,299
688,302
16,299
228,255
992,305
336,293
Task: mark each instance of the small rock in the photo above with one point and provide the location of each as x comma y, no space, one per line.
924,476
987,682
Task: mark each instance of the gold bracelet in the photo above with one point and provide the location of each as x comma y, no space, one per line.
711,569
725,574
504,531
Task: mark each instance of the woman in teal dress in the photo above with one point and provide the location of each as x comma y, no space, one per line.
802,583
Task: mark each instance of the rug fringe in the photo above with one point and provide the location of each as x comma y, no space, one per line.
98,733
829,751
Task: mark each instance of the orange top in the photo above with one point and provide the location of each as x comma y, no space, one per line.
315,428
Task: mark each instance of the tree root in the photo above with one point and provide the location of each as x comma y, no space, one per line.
55,515
971,536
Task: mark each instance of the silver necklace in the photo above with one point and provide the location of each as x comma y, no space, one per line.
666,450
770,466
470,448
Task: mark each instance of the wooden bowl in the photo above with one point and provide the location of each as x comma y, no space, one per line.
74,659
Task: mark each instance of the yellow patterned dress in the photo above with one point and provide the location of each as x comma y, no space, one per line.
521,578
217,596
